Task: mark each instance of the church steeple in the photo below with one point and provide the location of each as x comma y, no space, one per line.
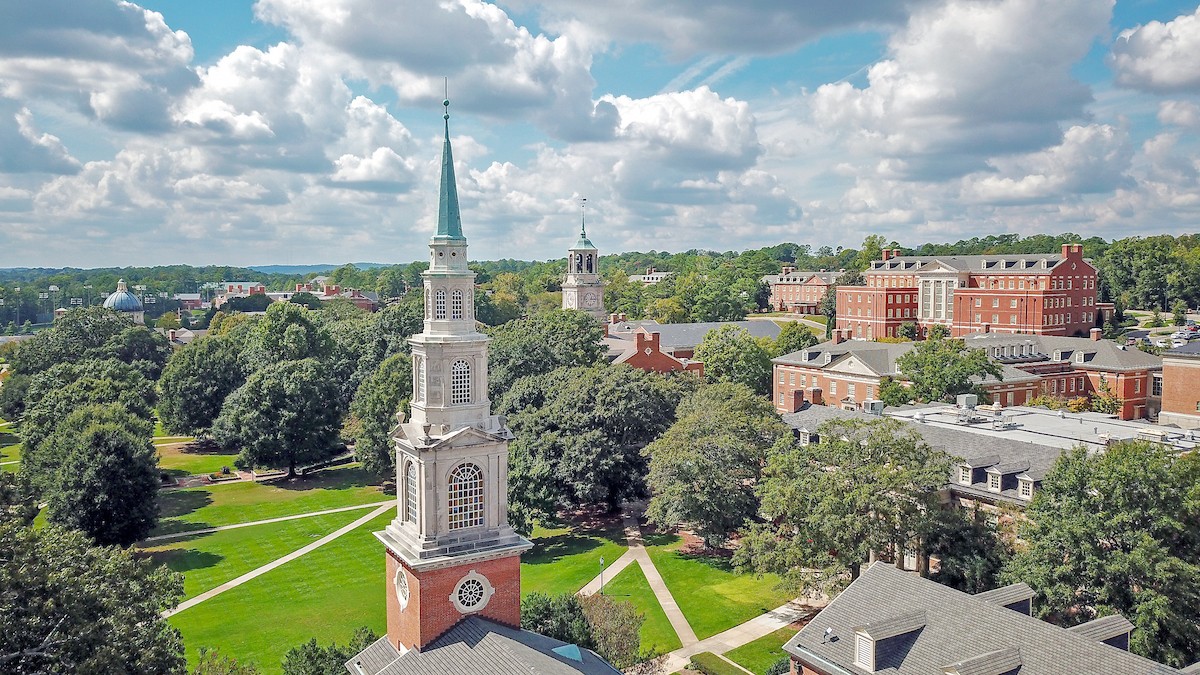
449,220
582,289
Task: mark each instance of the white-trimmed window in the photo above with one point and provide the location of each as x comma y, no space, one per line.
410,492
864,652
456,305
420,376
439,304
460,383
994,482
1026,489
964,475
465,497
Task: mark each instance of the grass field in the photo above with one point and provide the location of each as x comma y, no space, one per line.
711,595
762,653
326,594
209,560
216,505
564,559
173,460
630,585
10,451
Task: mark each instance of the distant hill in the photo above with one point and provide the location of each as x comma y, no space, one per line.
309,269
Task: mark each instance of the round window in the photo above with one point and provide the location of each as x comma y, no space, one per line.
472,593
402,591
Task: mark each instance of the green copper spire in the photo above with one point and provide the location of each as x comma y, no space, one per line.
583,242
449,220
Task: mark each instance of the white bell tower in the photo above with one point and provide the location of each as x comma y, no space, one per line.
450,551
582,289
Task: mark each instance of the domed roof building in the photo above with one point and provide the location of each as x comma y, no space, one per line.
126,303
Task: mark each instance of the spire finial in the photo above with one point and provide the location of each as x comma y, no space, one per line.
582,218
449,222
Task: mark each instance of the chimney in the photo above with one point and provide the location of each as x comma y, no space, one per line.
986,328
887,254
622,317
649,270
896,253
171,335
797,401
838,337
614,318
788,269
1066,250
816,395
1095,334
647,340
1078,249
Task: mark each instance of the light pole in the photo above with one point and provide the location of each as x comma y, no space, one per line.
44,296
17,290
601,575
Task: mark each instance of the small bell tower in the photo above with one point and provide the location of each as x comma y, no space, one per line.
582,289
450,551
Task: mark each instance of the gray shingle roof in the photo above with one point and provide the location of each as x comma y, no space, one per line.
959,629
1031,263
1103,628
999,662
477,645
688,335
1007,595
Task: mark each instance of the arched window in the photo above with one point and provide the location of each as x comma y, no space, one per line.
578,262
589,263
456,305
466,497
460,383
410,492
419,373
439,306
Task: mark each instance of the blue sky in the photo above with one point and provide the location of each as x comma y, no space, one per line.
302,131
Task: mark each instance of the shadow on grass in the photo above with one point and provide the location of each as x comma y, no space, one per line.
550,549
184,560
176,503
339,478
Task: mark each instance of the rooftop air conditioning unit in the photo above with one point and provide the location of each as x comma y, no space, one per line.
967,401
873,406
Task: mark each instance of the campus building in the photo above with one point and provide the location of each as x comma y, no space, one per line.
582,289
798,291
124,301
1040,294
890,621
452,561
848,372
1179,386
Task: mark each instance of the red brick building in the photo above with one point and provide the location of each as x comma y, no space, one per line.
848,373
1180,386
1042,294
646,354
799,291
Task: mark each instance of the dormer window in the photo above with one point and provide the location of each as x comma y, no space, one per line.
964,475
864,652
1079,357
1026,489
994,482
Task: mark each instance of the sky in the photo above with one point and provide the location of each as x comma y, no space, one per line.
247,132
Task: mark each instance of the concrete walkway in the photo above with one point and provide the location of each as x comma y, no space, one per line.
15,461
614,568
208,595
209,530
760,626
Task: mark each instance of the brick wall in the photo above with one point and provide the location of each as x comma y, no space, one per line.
430,613
1180,391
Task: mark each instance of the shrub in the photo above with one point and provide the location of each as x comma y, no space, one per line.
711,664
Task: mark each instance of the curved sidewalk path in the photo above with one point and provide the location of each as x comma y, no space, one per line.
208,595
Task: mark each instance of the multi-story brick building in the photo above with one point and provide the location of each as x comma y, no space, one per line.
1042,294
800,291
1178,386
848,372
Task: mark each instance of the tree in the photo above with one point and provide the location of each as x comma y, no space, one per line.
666,310
168,321
539,344
306,300
793,337
866,487
42,462
892,392
970,551
1116,532
70,606
939,369
55,393
731,354
386,391
196,382
107,486
560,617
1179,312
615,627
704,469
313,659
258,302
281,416
74,337
828,306
1106,400
287,332
579,435
908,330
138,346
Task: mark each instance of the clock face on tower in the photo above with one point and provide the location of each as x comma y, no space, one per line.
589,300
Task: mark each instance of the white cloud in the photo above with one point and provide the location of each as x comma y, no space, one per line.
1179,114
24,150
1160,57
966,81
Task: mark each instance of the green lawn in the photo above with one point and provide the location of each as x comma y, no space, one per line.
326,594
762,653
630,585
564,559
710,594
209,560
243,502
173,460
10,451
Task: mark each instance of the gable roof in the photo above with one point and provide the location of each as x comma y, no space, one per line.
478,645
961,631
689,335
